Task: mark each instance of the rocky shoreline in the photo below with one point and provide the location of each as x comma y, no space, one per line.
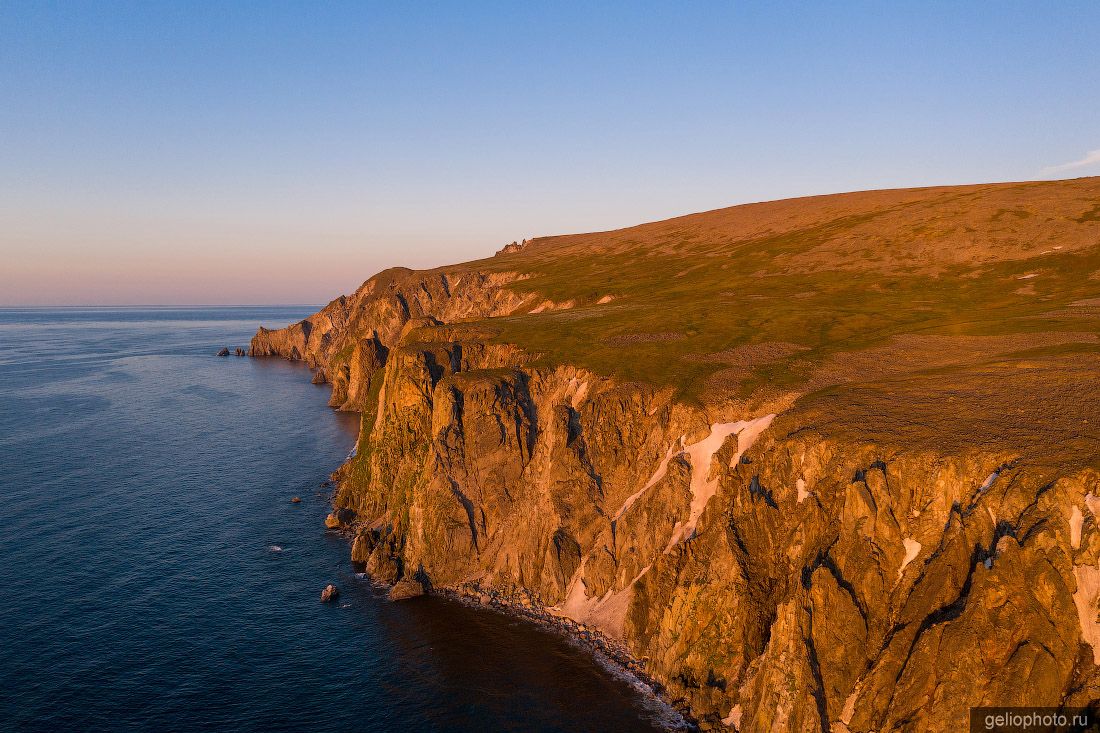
792,521
520,604
607,653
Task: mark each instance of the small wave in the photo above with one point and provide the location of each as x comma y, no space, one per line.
275,548
354,451
655,710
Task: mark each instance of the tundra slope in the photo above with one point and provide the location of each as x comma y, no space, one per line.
826,464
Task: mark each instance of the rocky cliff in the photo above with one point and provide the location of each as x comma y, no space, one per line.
821,465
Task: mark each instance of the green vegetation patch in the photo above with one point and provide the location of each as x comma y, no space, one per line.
692,296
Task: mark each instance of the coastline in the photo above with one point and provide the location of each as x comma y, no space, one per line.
609,654
827,523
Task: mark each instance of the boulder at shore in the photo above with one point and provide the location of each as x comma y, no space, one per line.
330,593
824,464
406,588
340,519
224,351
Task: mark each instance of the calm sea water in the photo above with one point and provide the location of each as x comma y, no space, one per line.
156,576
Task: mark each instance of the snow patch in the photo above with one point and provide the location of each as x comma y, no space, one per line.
734,718
1028,276
849,707
1093,504
607,613
1088,592
800,484
677,535
1076,521
747,435
610,614
576,391
576,604
701,456
380,408
989,481
912,549
662,469
605,299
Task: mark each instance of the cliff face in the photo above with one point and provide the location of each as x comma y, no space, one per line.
908,529
347,341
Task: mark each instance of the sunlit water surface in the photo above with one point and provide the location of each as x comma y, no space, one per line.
157,577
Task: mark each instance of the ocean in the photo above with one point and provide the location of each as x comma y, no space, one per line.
156,575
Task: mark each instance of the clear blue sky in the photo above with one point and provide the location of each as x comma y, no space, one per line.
191,152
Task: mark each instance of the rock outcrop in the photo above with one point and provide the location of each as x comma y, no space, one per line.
513,247
406,588
340,518
879,546
348,341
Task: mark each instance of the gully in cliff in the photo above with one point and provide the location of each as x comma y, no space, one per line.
724,478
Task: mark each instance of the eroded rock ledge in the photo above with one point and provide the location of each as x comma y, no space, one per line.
808,565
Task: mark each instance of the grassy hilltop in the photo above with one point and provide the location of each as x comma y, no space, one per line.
913,377
770,296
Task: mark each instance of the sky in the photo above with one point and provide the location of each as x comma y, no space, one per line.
282,152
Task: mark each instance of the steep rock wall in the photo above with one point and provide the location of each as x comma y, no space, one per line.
346,342
772,573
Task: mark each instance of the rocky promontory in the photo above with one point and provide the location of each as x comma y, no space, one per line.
827,464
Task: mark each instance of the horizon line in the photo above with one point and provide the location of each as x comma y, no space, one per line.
164,305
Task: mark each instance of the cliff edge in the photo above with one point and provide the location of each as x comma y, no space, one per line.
825,464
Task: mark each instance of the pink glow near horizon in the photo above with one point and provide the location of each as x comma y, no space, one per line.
177,271
277,153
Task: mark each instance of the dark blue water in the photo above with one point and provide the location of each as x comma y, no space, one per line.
155,575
